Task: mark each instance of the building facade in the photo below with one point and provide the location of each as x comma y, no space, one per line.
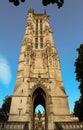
39,79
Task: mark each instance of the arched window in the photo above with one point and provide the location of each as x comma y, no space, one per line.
39,108
36,26
40,26
41,42
36,43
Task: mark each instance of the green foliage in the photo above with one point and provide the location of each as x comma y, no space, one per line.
79,64
44,2
78,108
4,110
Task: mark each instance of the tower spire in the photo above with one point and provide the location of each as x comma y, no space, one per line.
45,11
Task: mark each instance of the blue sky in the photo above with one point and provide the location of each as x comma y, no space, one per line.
67,26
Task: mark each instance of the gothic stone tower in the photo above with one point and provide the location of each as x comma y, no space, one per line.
39,78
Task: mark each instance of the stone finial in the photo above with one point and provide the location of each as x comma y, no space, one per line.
31,10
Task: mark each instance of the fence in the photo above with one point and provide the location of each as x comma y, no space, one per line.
14,126
68,126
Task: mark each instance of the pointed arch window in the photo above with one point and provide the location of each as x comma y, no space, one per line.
36,43
40,26
41,42
36,26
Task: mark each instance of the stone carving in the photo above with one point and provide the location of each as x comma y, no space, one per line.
33,59
45,59
28,50
29,24
39,121
47,30
50,60
55,60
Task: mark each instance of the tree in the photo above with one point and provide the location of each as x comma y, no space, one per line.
78,108
4,110
44,2
58,2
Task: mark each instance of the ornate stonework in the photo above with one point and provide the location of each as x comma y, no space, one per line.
39,79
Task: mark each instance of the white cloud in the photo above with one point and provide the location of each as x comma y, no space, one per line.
5,72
